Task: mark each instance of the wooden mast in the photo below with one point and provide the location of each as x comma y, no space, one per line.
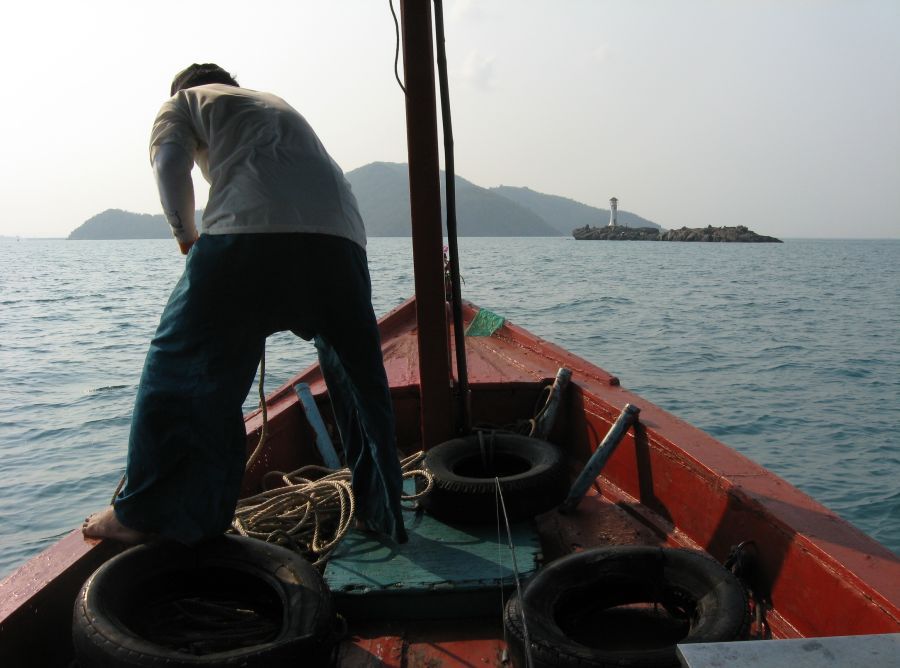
425,207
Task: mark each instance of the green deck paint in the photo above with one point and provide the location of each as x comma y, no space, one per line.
442,572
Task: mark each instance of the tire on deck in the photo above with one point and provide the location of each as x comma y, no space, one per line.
531,472
625,606
232,601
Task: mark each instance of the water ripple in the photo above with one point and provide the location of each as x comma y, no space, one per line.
788,354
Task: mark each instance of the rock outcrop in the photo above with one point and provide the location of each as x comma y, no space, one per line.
738,234
618,233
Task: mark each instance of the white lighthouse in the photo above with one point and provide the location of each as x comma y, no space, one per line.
613,204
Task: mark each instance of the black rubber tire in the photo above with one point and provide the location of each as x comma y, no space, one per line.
713,602
532,476
103,629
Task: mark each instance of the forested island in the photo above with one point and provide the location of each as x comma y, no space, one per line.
738,234
119,224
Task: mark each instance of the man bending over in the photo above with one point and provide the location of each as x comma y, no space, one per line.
282,248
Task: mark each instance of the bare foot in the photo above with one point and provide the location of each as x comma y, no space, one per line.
105,524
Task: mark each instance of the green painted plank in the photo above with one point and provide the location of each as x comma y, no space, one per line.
485,323
443,571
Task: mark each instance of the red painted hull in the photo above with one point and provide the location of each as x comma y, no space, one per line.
668,483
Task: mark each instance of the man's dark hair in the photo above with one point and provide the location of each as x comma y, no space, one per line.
197,75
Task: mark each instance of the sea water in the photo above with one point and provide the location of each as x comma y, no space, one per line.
788,353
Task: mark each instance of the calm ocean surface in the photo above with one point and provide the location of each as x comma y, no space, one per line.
789,353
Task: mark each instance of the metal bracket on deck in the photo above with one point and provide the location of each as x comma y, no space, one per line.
323,440
544,420
627,417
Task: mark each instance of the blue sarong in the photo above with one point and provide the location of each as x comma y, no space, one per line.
187,447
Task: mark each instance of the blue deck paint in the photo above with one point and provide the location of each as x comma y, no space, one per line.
843,651
442,572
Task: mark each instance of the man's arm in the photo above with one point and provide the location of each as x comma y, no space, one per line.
172,168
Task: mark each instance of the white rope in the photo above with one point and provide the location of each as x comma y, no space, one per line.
310,512
301,511
505,656
528,660
265,412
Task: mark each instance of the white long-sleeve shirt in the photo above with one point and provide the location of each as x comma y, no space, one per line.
267,169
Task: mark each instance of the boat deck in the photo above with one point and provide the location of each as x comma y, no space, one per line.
439,629
668,484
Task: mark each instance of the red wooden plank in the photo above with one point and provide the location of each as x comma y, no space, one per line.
472,653
36,601
372,652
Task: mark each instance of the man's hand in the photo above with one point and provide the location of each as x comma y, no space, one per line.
185,246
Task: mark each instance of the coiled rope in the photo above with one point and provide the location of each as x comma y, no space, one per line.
312,510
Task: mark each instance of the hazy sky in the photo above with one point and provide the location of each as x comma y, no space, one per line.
782,116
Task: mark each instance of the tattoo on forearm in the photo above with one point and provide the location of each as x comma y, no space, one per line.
174,219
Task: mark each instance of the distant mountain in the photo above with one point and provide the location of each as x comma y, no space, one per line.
382,190
566,214
119,224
